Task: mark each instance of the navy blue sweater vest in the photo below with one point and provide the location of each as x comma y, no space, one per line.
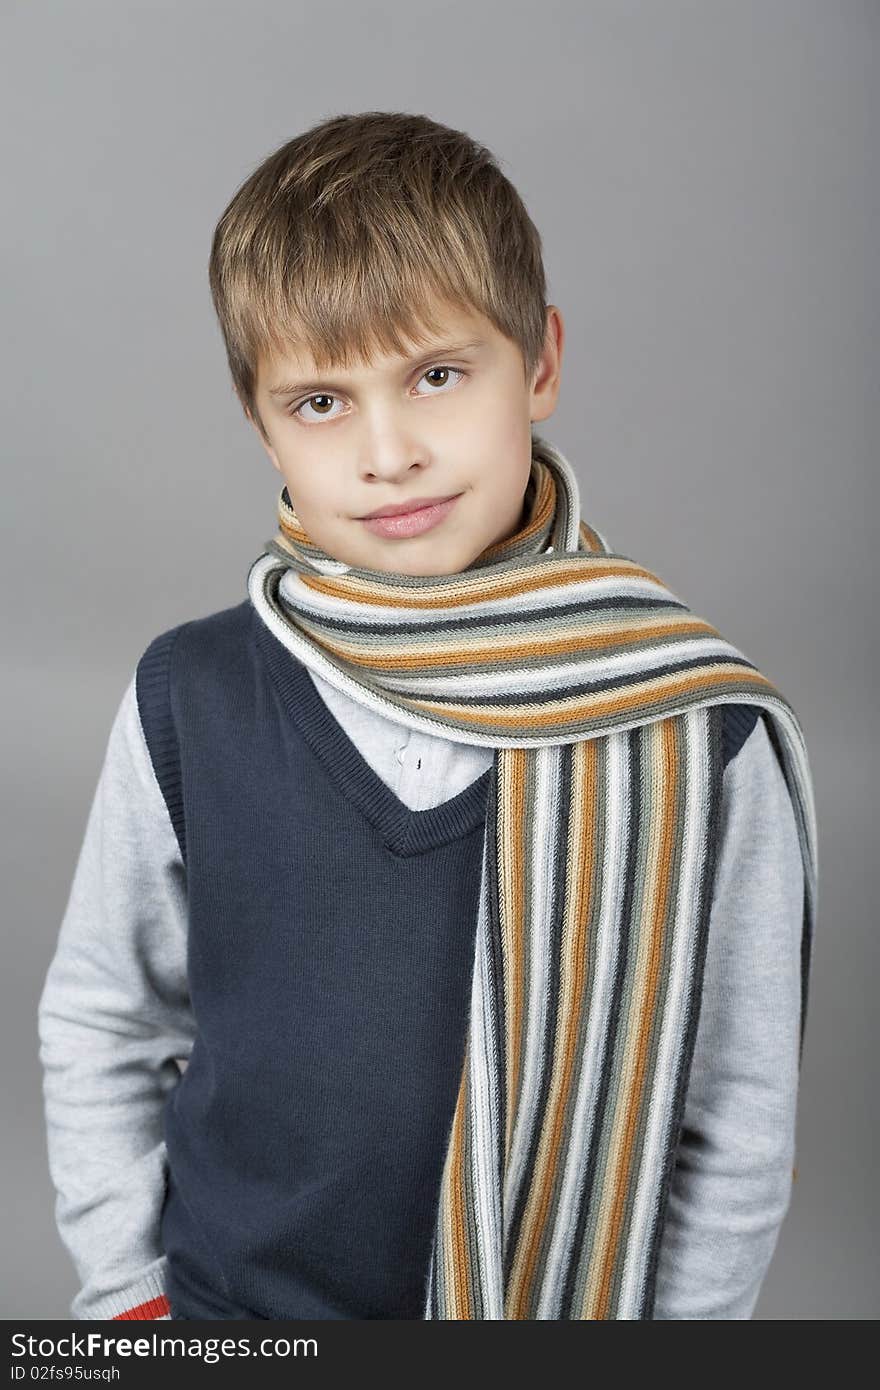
330,951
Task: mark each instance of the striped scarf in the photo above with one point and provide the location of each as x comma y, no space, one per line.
601,693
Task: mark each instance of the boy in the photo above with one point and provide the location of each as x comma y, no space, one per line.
467,877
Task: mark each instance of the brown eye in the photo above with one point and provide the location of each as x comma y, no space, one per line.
444,373
317,404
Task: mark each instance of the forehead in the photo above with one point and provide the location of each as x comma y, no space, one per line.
452,328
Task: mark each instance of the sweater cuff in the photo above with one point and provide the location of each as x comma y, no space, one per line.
143,1300
156,1308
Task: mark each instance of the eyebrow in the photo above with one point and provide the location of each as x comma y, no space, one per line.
290,388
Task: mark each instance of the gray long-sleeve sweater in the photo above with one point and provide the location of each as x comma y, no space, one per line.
115,1008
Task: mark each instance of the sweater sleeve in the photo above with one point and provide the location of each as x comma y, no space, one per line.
734,1170
114,1017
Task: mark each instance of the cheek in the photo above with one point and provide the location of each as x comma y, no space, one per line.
326,505
508,457
307,496
505,478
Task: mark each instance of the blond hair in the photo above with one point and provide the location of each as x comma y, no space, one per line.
343,238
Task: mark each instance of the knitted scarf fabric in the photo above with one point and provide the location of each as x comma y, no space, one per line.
601,693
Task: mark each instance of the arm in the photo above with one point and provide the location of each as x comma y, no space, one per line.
733,1177
114,1014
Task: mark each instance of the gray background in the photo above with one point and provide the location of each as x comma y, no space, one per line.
702,177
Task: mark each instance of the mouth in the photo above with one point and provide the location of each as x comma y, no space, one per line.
413,520
414,504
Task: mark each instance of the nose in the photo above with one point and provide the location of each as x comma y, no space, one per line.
390,450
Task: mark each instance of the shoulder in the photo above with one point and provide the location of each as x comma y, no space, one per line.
187,663
193,656
740,722
210,634
752,772
758,821
182,668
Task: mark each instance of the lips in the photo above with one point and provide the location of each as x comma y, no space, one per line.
416,504
412,522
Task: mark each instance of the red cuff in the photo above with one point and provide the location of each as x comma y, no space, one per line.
153,1308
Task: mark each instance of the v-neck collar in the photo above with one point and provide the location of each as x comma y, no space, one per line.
403,830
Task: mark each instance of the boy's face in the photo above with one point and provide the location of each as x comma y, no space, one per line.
449,420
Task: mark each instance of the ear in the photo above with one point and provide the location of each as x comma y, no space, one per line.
545,388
